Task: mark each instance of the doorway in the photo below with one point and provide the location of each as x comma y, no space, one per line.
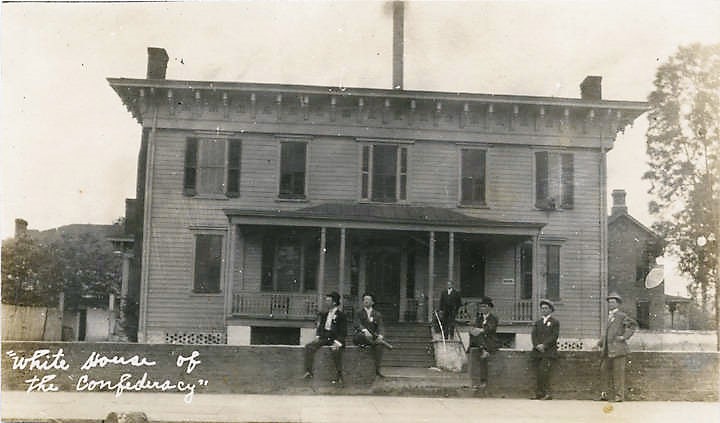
383,280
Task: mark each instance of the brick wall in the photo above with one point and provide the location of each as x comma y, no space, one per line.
279,370
658,376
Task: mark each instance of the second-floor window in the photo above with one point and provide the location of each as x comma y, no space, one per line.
212,167
384,173
293,169
554,180
472,177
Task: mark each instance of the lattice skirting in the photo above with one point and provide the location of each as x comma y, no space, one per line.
195,338
571,344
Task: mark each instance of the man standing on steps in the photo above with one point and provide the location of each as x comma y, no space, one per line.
369,330
544,337
449,304
331,331
613,344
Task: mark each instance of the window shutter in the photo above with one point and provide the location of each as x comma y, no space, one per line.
541,177
568,181
233,168
190,178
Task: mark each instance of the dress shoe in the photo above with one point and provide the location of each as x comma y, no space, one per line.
617,399
603,397
337,381
546,398
537,397
308,375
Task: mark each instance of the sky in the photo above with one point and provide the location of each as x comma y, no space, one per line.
68,147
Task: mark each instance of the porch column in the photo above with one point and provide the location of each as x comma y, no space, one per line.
431,276
341,264
230,266
451,256
535,279
321,267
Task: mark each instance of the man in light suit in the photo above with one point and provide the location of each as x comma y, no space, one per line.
449,304
544,337
483,337
613,343
331,331
369,330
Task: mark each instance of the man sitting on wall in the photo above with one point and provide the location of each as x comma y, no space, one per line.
331,331
369,330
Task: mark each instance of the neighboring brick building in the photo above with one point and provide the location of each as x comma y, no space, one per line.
632,250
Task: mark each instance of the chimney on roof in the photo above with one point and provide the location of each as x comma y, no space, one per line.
20,227
157,63
398,44
619,206
591,88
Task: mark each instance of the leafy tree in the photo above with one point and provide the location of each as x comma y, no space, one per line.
683,143
31,274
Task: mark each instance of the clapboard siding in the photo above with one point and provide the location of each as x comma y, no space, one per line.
333,175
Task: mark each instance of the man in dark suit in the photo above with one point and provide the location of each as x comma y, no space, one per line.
331,331
544,337
613,343
449,305
483,336
369,329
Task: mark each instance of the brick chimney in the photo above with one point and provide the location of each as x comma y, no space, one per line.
157,63
591,88
20,227
619,206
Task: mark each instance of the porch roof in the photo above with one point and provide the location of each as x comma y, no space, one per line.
382,216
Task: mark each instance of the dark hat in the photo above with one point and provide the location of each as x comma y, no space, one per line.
548,302
487,301
335,297
614,295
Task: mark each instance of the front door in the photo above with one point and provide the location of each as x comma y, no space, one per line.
383,280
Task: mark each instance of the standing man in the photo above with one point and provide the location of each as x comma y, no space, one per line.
544,336
613,343
331,331
449,305
369,329
483,337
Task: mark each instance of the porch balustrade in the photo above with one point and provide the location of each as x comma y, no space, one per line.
507,310
275,305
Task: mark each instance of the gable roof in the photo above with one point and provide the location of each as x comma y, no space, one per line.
613,218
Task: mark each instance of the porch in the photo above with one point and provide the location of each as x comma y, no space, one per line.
282,263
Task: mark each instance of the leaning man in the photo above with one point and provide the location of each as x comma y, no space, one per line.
544,336
613,344
331,331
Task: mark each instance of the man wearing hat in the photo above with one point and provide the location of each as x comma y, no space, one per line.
331,331
544,337
450,302
483,336
613,343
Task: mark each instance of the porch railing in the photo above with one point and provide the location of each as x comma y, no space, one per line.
507,310
274,305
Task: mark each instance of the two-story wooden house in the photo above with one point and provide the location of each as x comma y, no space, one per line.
258,199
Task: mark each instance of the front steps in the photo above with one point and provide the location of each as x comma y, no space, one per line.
412,344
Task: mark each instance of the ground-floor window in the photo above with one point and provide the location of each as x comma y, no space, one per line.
208,263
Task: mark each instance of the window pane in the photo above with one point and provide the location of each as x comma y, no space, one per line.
189,182
233,171
541,176
212,167
364,171
472,184
312,258
292,169
568,181
208,259
553,272
384,173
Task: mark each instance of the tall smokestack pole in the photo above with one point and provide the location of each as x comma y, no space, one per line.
398,43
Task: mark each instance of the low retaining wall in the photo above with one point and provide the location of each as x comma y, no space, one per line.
658,376
201,369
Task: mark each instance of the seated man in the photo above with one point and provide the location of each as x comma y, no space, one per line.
331,331
369,330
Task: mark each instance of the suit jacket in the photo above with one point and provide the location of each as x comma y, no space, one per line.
547,335
374,323
450,303
619,325
487,339
338,327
